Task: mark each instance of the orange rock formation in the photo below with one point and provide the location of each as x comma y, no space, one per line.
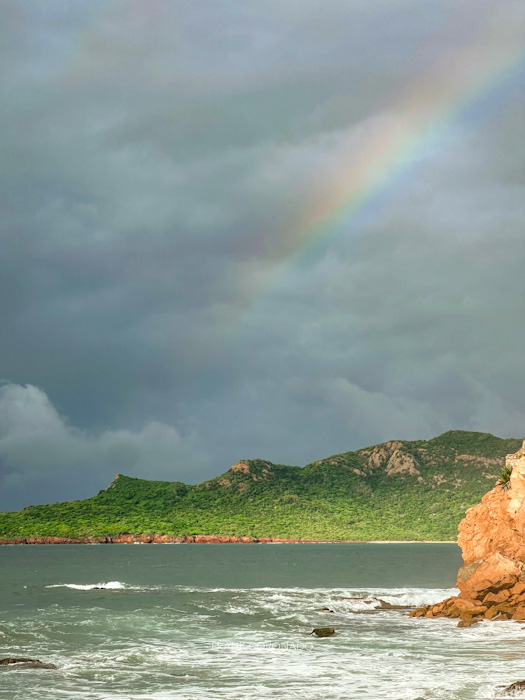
492,539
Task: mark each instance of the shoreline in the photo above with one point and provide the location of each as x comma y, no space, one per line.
197,539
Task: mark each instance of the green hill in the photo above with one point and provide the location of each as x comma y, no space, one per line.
397,490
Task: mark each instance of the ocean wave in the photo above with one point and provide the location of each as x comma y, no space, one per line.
284,603
413,596
361,597
110,586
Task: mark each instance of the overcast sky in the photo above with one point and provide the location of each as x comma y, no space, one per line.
279,229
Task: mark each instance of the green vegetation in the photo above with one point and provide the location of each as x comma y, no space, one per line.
504,477
398,490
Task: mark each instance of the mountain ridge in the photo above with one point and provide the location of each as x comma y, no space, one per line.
397,490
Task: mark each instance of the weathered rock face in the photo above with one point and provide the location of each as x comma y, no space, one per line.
492,539
492,535
497,524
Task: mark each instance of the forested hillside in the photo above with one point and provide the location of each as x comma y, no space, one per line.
397,490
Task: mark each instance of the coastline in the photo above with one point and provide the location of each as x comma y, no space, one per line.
198,539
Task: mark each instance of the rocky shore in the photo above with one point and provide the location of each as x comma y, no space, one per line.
151,538
492,539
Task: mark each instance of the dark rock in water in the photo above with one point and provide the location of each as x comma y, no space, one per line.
467,623
510,690
323,631
384,605
27,663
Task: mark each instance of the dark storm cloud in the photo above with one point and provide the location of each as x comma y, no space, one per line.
155,158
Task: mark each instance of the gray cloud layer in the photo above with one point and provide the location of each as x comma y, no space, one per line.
40,447
157,158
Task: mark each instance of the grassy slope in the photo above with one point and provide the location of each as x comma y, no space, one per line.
403,490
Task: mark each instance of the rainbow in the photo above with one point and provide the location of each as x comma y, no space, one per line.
374,156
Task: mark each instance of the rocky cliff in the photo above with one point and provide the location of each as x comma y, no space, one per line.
492,539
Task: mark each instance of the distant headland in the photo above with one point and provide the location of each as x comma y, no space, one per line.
395,491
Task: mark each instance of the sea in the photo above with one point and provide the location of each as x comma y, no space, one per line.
234,621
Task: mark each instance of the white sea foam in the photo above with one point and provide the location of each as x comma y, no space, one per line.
110,586
382,656
413,596
344,598
173,642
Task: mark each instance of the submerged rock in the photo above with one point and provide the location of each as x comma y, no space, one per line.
514,690
385,605
323,631
468,623
27,663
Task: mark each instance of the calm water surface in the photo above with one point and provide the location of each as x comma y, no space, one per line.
232,621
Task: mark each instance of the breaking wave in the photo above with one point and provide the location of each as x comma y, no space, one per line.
109,586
